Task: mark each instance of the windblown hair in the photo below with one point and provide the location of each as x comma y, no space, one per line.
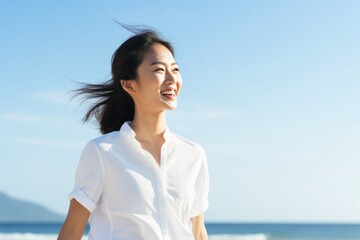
114,106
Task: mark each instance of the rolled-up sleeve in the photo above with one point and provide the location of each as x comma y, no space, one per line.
89,178
201,202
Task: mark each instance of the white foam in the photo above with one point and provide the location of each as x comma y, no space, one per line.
32,236
238,237
28,236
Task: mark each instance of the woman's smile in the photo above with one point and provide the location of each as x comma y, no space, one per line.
169,93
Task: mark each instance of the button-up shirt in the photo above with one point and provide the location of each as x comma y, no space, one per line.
131,197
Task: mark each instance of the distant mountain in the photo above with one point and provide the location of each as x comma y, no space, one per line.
15,210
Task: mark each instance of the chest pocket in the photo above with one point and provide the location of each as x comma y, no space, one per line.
181,205
181,195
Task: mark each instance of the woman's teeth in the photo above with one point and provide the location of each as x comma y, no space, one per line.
172,92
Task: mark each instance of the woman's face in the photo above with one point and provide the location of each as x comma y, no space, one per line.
158,81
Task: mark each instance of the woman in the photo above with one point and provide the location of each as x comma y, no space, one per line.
138,180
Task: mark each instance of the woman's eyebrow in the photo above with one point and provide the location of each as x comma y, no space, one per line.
162,63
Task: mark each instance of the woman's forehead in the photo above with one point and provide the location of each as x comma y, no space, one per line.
158,53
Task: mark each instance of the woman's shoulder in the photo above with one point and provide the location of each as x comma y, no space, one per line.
107,137
104,141
189,143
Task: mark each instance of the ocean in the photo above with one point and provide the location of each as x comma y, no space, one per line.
216,231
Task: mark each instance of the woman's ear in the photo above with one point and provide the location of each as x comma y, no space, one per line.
128,86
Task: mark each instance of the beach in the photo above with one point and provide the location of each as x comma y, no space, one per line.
216,231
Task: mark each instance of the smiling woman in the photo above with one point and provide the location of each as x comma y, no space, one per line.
115,106
138,180
158,81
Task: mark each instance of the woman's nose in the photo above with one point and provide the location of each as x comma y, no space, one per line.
170,76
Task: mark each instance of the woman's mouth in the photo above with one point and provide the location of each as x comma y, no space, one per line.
170,94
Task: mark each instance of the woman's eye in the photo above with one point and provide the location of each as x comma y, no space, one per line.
159,70
176,70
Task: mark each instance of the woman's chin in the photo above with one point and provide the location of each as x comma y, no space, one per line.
170,105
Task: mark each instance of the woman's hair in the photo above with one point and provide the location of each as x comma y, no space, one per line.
114,105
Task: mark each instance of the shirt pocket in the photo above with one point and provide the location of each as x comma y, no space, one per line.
181,203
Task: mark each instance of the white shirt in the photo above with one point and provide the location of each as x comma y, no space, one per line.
131,197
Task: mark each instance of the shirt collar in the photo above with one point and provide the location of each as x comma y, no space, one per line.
127,131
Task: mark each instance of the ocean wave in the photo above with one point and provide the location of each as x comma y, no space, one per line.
28,236
238,237
32,236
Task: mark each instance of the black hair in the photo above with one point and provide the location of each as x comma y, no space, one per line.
114,106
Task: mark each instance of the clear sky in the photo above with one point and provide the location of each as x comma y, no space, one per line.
271,91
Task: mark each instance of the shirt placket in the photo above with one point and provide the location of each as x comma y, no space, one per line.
162,191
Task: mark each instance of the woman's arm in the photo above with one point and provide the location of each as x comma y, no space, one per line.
75,223
198,228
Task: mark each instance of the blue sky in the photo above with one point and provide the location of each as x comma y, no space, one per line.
271,91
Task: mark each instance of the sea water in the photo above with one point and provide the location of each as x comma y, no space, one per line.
216,231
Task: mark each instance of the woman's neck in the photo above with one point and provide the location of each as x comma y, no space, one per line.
147,126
